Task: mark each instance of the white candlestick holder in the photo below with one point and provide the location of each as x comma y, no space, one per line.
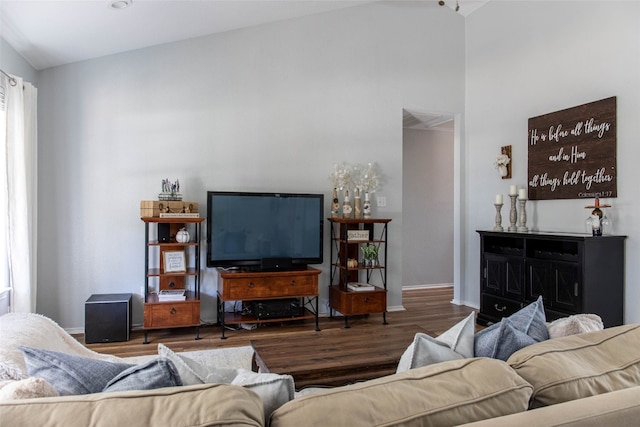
498,226
513,214
522,227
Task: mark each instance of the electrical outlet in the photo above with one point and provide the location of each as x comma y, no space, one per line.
382,201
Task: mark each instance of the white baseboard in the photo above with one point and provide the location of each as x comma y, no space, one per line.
427,286
466,303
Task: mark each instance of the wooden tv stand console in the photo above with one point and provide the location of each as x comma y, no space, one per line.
249,286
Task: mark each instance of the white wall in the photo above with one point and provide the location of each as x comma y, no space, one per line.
529,58
266,108
427,232
12,63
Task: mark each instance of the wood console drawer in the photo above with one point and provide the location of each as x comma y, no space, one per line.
262,285
170,314
349,303
269,287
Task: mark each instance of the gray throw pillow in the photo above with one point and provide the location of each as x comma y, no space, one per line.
69,374
530,321
156,373
502,342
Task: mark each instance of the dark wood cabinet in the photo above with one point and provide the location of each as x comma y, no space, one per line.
574,273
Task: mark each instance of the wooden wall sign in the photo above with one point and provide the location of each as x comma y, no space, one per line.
572,153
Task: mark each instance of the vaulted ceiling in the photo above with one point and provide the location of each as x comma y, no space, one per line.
49,33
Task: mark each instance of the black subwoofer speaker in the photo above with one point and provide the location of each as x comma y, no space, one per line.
107,318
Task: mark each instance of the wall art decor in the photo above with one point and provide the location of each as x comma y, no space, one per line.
572,153
503,162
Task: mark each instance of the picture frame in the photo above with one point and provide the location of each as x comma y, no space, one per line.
174,261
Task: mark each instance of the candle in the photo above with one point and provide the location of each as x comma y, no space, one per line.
513,190
498,199
522,194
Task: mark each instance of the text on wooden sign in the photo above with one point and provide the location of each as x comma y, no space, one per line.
572,152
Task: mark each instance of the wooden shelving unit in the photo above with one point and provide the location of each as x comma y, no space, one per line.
343,248
171,314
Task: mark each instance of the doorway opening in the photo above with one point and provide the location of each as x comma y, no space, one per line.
430,255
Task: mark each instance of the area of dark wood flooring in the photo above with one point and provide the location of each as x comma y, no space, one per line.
428,308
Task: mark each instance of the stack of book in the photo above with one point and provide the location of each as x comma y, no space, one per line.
172,295
359,287
179,215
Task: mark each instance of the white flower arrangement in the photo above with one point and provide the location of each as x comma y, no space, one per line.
341,176
501,160
367,178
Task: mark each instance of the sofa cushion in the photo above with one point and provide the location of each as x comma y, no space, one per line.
193,406
275,390
455,343
496,340
582,365
443,394
618,408
194,372
157,373
575,324
27,388
71,374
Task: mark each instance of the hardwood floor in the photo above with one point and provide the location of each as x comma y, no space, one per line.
430,309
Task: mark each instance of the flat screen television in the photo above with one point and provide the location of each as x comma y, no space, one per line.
264,230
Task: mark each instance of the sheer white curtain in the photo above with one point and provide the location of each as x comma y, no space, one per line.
18,184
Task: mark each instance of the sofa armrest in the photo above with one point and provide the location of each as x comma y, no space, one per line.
199,405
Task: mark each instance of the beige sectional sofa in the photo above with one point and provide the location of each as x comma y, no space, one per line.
590,379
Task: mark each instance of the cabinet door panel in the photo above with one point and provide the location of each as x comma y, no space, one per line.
493,274
538,282
514,279
503,276
566,287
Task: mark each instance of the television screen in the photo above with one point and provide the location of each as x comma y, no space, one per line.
245,229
